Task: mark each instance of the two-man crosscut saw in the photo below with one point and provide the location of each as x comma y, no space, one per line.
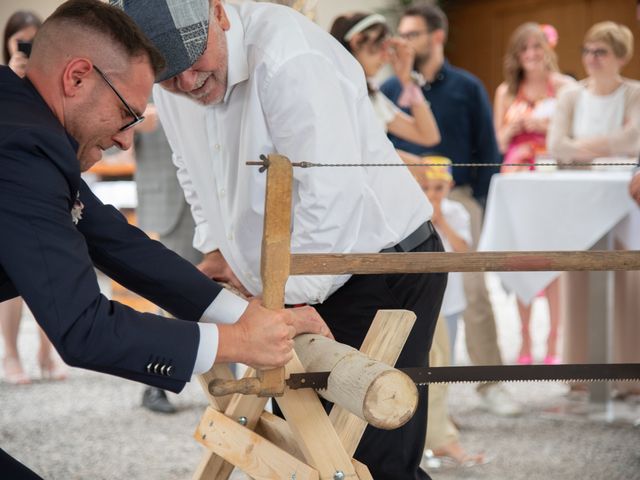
495,373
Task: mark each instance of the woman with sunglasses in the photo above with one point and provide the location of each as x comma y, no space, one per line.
367,38
598,118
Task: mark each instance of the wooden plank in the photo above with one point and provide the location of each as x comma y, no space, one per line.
425,262
275,259
276,430
313,432
384,341
211,466
245,408
250,452
362,471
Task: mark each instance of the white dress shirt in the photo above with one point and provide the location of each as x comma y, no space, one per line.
454,300
293,90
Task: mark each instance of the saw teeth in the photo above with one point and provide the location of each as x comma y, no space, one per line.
563,380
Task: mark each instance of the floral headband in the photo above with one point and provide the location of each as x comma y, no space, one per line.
550,33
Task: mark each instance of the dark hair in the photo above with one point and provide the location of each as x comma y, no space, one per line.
111,22
18,21
432,15
374,34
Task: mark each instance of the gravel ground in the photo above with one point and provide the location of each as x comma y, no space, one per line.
91,426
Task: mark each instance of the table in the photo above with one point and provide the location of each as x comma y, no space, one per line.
564,210
559,210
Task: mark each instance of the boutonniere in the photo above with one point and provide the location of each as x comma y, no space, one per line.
76,211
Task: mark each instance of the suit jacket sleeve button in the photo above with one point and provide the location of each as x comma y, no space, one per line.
149,367
170,370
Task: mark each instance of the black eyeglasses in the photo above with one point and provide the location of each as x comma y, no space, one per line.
137,119
596,52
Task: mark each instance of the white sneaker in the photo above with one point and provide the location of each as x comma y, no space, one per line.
498,401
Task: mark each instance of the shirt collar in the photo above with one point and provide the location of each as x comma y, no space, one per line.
238,68
439,77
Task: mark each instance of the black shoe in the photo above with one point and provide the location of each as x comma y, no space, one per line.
155,399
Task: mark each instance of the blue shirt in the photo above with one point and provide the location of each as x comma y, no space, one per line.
461,108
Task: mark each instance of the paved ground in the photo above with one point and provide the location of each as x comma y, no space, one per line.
92,427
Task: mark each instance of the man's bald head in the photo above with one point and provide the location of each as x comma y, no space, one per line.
94,30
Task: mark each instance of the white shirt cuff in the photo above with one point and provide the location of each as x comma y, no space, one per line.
207,348
226,308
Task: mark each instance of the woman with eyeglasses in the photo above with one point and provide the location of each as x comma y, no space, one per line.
19,32
367,38
523,106
598,118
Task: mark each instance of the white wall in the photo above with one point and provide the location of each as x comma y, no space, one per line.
43,8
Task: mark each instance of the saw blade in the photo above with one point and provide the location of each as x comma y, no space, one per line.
603,372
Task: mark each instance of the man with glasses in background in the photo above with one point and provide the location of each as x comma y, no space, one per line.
461,107
56,123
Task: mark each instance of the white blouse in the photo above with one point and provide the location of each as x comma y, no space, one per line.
598,115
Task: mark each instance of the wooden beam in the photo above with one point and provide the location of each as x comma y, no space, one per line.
313,432
275,258
425,262
384,342
247,450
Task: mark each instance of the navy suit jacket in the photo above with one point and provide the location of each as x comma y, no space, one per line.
49,261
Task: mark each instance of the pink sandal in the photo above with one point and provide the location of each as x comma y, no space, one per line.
525,360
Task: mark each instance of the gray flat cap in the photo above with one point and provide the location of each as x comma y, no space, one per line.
178,28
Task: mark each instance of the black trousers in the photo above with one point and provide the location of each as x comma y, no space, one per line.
10,468
392,454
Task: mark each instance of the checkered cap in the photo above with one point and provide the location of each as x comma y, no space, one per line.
178,28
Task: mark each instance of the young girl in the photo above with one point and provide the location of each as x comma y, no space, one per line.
367,38
453,224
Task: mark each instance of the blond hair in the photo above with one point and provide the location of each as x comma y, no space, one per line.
617,36
513,71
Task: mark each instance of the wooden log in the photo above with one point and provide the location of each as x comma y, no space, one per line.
248,451
425,262
383,396
384,342
275,259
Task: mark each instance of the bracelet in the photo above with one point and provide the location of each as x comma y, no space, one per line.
411,95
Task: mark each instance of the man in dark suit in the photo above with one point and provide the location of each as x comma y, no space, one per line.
88,81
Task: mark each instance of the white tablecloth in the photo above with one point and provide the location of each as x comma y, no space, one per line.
560,210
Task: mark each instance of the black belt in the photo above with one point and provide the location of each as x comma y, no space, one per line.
418,237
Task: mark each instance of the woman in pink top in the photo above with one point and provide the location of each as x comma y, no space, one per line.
523,107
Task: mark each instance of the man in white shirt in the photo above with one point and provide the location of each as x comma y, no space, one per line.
267,80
